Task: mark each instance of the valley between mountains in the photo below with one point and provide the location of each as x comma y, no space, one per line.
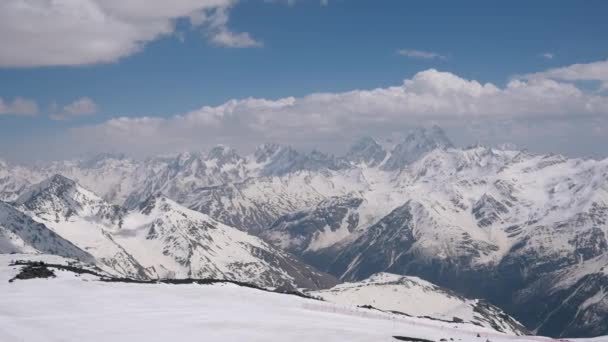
496,238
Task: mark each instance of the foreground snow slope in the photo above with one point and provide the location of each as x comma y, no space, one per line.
81,308
416,297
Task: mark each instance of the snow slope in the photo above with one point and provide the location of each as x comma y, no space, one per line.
63,309
20,234
416,297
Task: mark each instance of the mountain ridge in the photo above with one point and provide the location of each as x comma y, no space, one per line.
492,223
161,239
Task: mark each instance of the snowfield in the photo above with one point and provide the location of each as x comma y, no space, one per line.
415,297
81,308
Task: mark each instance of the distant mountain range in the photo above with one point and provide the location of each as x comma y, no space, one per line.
526,232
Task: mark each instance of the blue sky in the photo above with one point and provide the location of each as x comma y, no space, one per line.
299,48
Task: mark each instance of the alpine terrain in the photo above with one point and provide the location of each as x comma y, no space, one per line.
524,232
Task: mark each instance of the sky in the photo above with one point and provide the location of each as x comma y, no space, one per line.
79,77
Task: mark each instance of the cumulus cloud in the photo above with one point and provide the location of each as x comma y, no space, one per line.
18,106
77,32
429,96
419,54
83,106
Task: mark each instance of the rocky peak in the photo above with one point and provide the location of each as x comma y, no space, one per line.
159,202
366,150
56,185
265,152
224,155
59,196
417,143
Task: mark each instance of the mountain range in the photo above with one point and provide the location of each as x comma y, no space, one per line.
526,232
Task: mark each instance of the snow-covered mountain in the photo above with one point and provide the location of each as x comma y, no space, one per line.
416,297
80,216
161,239
181,243
15,179
491,223
20,234
366,151
415,145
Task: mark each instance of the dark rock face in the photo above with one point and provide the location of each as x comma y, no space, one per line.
579,309
33,271
303,226
375,250
411,339
487,210
590,243
281,160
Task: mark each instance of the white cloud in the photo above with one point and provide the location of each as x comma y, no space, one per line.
77,32
83,106
429,96
19,106
547,55
419,54
596,71
219,34
234,40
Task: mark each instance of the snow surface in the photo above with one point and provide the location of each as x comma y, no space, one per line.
412,296
79,308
